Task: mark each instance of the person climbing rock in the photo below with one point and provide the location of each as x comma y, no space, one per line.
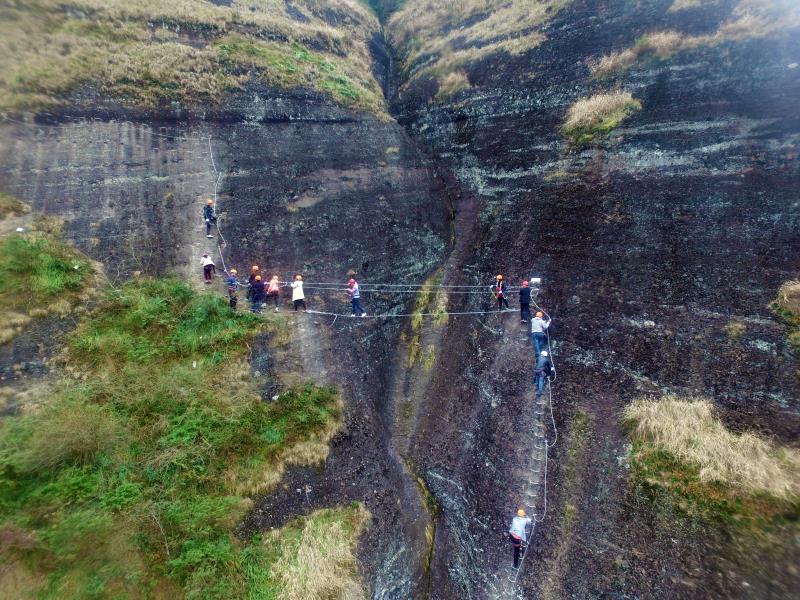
208,267
355,298
542,371
298,297
525,302
519,535
538,328
274,291
499,290
210,215
257,293
232,282
254,272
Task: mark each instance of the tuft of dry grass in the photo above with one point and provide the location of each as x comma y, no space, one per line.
598,114
689,430
788,298
321,564
12,207
440,37
684,4
452,83
750,19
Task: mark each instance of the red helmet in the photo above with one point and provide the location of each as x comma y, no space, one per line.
351,282
525,283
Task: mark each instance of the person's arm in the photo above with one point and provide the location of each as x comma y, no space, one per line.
546,324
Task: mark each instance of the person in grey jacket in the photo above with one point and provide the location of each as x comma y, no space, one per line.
519,534
538,328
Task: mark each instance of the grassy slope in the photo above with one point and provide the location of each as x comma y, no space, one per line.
128,483
146,53
737,481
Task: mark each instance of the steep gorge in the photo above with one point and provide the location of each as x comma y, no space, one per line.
650,241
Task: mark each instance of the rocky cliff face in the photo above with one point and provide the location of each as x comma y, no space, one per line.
651,239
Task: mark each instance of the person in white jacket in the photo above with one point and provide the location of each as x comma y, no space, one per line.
208,267
519,534
298,298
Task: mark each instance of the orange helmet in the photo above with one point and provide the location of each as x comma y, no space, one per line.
258,277
298,277
520,513
499,277
234,271
539,313
209,201
254,268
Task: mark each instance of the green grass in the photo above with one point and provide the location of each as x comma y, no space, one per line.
656,470
124,481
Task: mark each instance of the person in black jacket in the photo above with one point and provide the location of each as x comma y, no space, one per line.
499,291
210,216
525,302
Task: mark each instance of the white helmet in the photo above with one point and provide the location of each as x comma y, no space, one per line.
544,352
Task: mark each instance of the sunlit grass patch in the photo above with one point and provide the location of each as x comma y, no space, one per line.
689,431
597,115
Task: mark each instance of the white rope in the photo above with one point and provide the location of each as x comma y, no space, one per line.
436,314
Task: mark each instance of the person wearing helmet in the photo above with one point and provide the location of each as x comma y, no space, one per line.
232,282
210,215
519,534
525,302
499,290
208,267
298,297
274,290
254,272
538,328
258,292
542,371
355,299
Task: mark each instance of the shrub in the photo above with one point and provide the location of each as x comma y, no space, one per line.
452,83
11,207
589,117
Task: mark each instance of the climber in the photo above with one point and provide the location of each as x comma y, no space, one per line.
298,298
538,328
519,535
254,272
355,298
210,215
256,294
208,267
274,290
525,302
232,282
542,371
499,290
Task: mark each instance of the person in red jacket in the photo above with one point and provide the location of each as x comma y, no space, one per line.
499,291
274,291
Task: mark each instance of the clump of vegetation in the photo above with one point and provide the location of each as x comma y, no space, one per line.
735,330
317,555
431,300
597,115
146,54
441,37
786,307
40,276
452,83
12,207
128,481
685,435
750,19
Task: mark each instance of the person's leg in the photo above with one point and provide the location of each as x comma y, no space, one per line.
517,549
537,343
353,305
208,227
540,382
506,302
303,304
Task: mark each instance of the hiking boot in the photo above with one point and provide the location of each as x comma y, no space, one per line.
209,236
363,314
